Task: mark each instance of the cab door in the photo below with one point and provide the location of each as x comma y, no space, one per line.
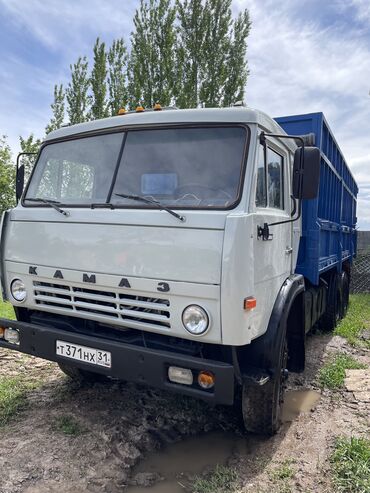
272,203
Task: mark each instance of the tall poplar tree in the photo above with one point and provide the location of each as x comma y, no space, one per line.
237,67
99,82
152,53
57,108
211,48
78,100
218,21
117,76
189,56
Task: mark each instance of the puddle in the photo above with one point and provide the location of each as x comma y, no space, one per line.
298,401
188,458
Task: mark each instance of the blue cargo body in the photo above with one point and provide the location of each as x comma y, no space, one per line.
329,221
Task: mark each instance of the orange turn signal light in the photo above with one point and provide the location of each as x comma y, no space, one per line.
206,379
122,111
250,303
2,332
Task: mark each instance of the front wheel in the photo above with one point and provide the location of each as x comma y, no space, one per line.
262,405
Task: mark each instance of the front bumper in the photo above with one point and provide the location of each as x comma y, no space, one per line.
129,362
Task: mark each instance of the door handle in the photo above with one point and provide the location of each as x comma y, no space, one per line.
288,250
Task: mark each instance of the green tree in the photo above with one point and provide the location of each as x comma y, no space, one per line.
237,67
153,53
57,108
99,82
117,76
78,99
218,21
7,177
211,53
191,30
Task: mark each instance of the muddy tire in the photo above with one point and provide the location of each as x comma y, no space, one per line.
344,294
262,405
332,313
81,376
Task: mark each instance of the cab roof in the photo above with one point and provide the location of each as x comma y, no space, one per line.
239,114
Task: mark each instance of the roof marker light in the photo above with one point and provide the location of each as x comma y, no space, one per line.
157,107
122,111
139,108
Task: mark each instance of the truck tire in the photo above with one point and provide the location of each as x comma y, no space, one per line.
345,294
262,405
332,312
81,376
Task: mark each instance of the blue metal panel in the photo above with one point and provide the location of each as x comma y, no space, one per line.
329,221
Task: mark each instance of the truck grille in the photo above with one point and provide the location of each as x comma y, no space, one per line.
133,311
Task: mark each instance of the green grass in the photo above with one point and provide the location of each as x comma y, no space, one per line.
13,392
332,374
6,310
222,480
351,465
356,320
284,471
68,425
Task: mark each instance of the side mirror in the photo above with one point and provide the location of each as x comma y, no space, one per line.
306,173
19,182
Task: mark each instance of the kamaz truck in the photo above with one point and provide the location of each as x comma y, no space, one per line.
188,250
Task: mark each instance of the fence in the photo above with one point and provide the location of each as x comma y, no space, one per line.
361,273
361,265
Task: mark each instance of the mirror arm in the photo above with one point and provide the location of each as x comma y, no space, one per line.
264,231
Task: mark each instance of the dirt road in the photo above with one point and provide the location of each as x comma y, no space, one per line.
87,439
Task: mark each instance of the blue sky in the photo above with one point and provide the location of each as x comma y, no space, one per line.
303,57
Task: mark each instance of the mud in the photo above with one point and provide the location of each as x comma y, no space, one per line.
129,437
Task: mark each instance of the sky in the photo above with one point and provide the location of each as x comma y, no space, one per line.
303,57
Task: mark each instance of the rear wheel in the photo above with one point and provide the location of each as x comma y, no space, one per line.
262,405
81,376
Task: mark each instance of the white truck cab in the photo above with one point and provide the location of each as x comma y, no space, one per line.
136,251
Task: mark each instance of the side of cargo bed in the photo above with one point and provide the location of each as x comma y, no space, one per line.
328,222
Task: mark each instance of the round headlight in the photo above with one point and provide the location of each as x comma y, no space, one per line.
195,320
18,290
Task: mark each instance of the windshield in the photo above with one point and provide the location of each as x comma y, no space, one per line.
178,167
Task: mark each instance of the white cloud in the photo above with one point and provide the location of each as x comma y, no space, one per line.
67,26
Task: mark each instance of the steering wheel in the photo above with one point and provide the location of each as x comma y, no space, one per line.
190,188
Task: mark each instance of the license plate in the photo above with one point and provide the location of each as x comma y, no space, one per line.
84,353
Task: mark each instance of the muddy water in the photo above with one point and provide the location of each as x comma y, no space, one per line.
187,458
190,457
298,401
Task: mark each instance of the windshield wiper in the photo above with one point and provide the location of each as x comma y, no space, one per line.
52,203
153,202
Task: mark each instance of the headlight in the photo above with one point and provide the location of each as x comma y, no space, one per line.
195,320
18,290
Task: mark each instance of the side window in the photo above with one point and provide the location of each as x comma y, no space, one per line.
269,190
261,196
275,179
